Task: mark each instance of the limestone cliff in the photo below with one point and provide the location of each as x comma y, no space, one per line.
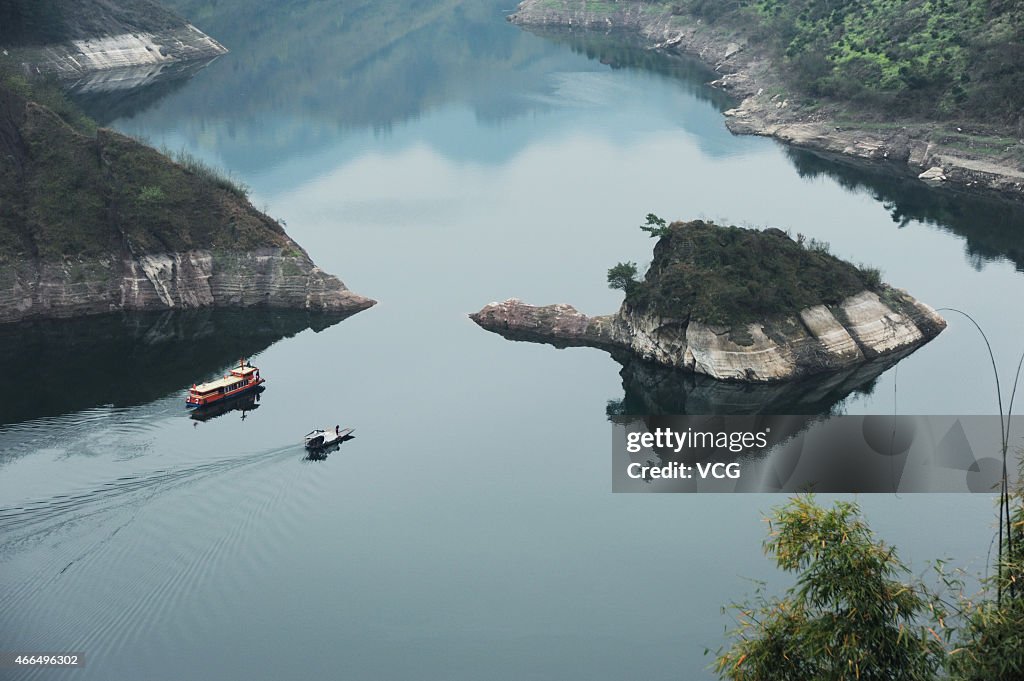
273,277
821,316
97,223
72,39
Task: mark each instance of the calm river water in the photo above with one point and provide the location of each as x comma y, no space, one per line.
437,158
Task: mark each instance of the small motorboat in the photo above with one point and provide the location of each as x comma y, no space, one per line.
318,439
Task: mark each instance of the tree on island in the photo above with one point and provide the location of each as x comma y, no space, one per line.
655,226
622,276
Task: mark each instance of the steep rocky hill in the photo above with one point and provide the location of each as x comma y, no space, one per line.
98,222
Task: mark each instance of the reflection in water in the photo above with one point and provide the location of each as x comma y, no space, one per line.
652,389
295,79
991,227
378,66
108,95
623,50
59,366
320,454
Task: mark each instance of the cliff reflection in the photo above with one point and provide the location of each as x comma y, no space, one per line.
654,390
624,50
345,65
108,95
56,367
990,227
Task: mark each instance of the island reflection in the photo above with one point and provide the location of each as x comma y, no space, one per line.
990,226
655,390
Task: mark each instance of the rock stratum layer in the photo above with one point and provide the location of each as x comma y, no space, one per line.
77,58
98,223
921,147
737,304
33,289
812,342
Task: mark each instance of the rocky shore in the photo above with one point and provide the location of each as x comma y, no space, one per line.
934,154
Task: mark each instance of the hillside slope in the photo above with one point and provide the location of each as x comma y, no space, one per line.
93,223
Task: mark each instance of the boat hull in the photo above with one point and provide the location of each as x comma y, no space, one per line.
245,400
328,438
214,400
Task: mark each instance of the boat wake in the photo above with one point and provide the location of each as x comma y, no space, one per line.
34,516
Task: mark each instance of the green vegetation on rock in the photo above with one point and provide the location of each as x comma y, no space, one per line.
68,190
732,275
938,58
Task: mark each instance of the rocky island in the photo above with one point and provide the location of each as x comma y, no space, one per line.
93,221
736,304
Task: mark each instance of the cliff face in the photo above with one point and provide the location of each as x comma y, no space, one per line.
32,289
71,39
823,333
93,224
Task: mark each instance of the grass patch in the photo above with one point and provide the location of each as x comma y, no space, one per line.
209,173
70,190
47,92
291,268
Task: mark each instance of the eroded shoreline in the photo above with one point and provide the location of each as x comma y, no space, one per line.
767,108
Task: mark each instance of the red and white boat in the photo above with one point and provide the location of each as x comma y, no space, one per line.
242,379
